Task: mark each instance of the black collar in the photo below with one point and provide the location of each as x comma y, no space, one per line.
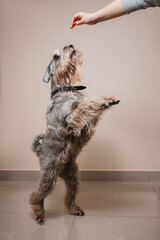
68,88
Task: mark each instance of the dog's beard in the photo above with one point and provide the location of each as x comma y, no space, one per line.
77,77
68,73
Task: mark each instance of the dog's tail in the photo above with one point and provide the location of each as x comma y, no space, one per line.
36,146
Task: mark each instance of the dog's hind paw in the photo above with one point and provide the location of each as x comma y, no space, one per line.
80,213
40,220
77,211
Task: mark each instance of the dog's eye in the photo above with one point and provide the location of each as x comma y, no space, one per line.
55,57
73,53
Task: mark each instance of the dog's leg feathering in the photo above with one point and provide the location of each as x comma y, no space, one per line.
46,185
87,114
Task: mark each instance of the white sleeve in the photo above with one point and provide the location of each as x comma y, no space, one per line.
134,5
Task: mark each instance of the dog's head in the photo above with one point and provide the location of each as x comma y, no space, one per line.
64,68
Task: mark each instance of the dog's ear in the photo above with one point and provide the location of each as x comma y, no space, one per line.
47,75
50,69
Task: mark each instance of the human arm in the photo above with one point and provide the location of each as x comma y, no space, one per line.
114,9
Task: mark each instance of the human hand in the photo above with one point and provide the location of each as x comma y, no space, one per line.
83,18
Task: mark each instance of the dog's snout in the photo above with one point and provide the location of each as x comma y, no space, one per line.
69,46
114,102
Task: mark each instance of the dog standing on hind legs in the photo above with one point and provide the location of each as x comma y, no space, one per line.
71,120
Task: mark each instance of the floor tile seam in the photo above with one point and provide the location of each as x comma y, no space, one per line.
92,215
156,192
140,217
29,213
71,228
87,215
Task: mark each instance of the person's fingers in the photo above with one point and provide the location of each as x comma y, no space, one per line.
79,22
77,19
82,18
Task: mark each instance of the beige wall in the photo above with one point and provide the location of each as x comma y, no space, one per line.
122,58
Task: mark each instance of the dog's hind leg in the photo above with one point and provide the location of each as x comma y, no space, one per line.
46,185
70,176
49,173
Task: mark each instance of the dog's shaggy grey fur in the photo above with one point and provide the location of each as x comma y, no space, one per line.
71,120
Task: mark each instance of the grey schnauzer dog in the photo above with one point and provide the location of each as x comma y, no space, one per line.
71,120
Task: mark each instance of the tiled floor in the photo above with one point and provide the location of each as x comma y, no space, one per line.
114,211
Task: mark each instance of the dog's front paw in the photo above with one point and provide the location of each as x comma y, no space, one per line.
108,102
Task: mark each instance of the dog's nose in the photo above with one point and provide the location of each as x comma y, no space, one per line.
114,102
71,46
